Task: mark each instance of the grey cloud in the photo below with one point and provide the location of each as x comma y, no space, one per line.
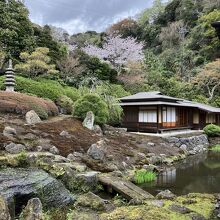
83,15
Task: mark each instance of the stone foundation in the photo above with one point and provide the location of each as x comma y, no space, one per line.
190,145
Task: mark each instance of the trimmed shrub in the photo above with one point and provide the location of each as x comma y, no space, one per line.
48,89
14,102
72,93
42,88
65,104
92,103
212,130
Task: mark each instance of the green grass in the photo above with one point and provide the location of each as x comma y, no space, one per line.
215,148
144,176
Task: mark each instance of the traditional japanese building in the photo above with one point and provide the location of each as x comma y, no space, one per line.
155,112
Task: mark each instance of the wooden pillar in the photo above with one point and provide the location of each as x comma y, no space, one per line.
157,118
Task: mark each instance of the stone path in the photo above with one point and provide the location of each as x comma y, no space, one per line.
127,189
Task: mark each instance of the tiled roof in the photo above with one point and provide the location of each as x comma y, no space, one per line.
145,99
148,95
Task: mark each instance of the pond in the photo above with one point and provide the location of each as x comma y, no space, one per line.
199,174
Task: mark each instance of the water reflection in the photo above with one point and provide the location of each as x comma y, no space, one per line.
195,174
167,178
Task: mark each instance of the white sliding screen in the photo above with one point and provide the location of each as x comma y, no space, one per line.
148,115
169,116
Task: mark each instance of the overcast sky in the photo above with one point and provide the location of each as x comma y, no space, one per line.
83,15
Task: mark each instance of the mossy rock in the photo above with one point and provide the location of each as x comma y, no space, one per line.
92,201
202,206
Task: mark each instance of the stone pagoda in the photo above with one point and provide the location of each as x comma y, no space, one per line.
10,78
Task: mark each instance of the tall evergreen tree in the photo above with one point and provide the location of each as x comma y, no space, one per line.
16,32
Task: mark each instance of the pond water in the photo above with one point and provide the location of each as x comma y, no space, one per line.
199,174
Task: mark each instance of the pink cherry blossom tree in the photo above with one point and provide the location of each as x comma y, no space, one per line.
117,51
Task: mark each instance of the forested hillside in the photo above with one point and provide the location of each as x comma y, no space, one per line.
170,47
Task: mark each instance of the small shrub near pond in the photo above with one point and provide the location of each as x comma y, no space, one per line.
212,130
215,148
144,176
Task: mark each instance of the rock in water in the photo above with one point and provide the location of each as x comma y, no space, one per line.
98,151
33,210
89,120
24,184
4,212
32,117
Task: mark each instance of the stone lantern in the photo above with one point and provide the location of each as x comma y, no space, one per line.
10,78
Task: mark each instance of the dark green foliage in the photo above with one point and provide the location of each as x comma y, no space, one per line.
89,37
72,93
212,130
98,69
16,31
44,39
22,159
41,88
92,103
65,103
203,37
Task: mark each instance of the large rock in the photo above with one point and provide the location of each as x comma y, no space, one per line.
4,212
9,131
33,210
32,117
13,148
98,151
90,200
166,194
89,120
24,184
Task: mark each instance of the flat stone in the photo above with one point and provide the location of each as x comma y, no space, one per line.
166,194
179,209
158,203
13,148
